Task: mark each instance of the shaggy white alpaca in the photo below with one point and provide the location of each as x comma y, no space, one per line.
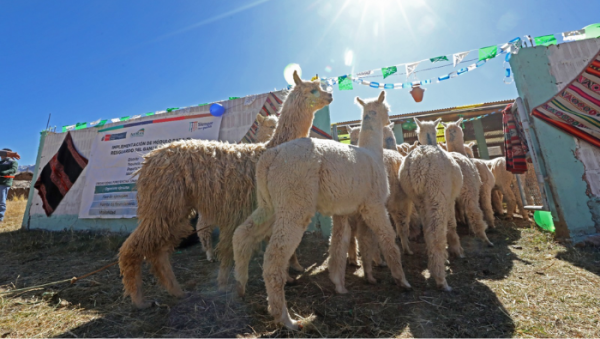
304,176
455,139
433,180
506,184
215,179
204,228
405,148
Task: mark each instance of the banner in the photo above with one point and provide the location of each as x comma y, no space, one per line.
110,189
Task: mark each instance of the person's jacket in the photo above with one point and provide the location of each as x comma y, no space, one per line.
8,168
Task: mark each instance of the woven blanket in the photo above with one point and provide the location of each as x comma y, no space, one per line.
59,175
576,109
515,146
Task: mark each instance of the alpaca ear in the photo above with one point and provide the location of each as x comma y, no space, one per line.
391,125
381,97
471,144
297,79
348,129
260,119
362,103
444,124
417,121
416,143
435,123
459,121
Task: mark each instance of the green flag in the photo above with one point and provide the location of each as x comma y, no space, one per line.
440,58
545,40
387,71
592,31
80,125
203,104
345,84
233,98
149,114
101,123
172,109
124,118
488,52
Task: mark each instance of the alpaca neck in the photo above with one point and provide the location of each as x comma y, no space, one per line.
371,138
263,135
455,146
295,121
390,143
428,139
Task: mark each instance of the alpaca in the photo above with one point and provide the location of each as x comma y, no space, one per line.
204,228
406,148
214,178
433,181
455,139
506,184
301,177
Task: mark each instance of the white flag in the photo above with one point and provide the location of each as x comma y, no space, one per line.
94,123
458,57
70,127
363,74
410,68
136,117
115,120
574,35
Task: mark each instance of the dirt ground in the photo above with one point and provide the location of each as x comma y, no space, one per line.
527,285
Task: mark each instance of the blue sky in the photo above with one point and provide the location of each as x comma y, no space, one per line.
86,60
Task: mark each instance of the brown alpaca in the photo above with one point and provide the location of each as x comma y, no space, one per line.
214,178
264,133
304,176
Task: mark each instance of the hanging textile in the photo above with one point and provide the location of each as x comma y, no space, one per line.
515,147
576,108
271,107
59,175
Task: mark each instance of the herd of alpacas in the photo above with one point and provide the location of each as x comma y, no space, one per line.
270,190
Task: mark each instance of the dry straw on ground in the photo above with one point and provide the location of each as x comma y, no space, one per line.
527,285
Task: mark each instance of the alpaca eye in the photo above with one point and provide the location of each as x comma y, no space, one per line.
314,92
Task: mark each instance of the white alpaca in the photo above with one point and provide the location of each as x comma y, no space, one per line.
455,139
433,180
299,178
506,185
204,228
405,148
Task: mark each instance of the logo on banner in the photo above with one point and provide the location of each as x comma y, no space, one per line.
139,133
111,137
197,126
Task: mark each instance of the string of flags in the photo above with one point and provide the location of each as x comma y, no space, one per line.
484,54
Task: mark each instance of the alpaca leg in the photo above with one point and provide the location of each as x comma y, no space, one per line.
338,250
485,201
517,194
131,270
367,243
245,238
294,264
352,250
475,218
286,237
497,201
435,225
454,246
204,230
377,219
163,270
511,202
401,216
378,258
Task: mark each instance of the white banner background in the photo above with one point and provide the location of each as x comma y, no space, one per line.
109,190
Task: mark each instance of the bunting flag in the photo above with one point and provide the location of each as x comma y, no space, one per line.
488,52
80,125
172,109
438,59
387,71
410,68
231,98
136,117
458,57
363,74
574,35
124,118
68,128
545,40
316,77
98,123
115,120
345,83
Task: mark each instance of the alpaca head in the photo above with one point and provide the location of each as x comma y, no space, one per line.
309,94
375,113
353,132
389,139
266,127
426,131
453,132
469,149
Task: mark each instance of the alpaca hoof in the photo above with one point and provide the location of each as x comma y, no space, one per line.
372,280
145,304
297,267
408,252
490,244
445,288
241,290
403,283
381,264
353,262
341,290
294,326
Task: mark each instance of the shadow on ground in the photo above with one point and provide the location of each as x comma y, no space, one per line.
382,310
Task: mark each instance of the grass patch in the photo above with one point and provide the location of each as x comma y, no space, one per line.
527,285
